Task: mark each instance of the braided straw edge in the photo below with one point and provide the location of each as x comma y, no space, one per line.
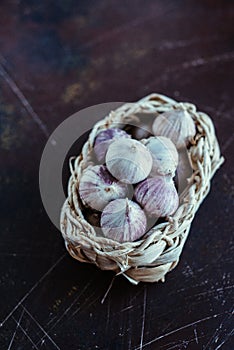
151,258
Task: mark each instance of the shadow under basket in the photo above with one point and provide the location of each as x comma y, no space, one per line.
151,258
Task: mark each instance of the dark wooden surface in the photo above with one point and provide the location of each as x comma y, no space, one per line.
58,57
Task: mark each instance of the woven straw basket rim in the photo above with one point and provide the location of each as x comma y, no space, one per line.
150,258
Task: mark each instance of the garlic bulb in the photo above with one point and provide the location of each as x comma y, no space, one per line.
97,187
177,125
105,138
123,220
164,154
157,196
128,160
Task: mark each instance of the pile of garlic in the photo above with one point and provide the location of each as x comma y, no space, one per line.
135,183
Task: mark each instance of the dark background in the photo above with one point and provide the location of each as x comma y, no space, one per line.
58,57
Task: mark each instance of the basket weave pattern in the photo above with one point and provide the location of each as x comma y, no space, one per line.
151,258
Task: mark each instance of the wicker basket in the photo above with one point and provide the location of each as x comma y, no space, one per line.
148,259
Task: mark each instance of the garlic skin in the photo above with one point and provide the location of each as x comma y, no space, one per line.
157,196
123,220
97,187
184,170
164,154
105,138
177,125
129,160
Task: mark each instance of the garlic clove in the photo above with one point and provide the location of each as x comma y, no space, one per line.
177,125
129,160
164,154
157,196
98,187
105,138
123,220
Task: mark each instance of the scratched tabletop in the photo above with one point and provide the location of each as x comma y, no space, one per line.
59,57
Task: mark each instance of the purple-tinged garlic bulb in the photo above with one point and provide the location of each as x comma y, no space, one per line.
177,125
157,196
129,160
105,138
97,187
123,220
164,154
